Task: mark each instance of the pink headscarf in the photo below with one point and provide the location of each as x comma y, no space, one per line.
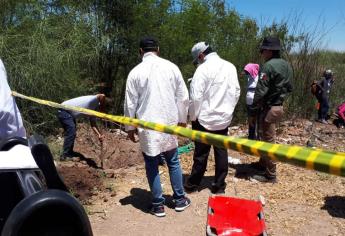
252,69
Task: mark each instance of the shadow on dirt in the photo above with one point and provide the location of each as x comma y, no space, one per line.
206,182
141,199
335,205
244,171
90,162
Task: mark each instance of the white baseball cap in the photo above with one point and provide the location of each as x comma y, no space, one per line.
198,49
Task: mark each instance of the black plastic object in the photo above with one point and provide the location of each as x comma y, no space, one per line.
45,161
51,212
29,182
9,143
11,195
15,184
36,201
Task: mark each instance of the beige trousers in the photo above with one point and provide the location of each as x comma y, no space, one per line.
267,132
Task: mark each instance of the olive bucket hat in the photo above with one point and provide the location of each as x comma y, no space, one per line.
271,43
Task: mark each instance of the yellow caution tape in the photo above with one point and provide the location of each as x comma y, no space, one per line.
316,159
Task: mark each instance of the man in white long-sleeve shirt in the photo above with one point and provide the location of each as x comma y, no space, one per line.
156,92
214,93
11,124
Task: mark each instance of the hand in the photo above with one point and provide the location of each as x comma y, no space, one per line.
182,124
131,135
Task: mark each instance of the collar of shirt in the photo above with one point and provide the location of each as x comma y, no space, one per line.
211,55
148,55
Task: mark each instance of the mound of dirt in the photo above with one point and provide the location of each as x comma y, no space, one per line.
117,151
84,177
81,180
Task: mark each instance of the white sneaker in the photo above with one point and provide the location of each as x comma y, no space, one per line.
234,161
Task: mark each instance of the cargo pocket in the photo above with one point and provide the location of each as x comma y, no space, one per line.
275,114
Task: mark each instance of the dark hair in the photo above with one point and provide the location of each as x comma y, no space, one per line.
149,44
150,49
207,51
275,54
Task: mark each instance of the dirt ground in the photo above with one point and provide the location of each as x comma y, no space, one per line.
117,199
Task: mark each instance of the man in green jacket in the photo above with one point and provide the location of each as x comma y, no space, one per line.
273,86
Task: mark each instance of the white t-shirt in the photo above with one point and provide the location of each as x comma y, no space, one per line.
89,102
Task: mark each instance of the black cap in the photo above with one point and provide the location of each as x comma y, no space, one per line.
148,43
271,43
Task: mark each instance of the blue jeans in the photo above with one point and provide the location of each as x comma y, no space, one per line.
68,123
175,173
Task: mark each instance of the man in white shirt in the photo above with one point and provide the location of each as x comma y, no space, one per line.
11,124
156,92
68,120
214,93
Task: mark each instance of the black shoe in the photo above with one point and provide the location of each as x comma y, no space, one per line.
218,190
158,211
257,166
66,157
265,178
182,204
76,154
190,188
